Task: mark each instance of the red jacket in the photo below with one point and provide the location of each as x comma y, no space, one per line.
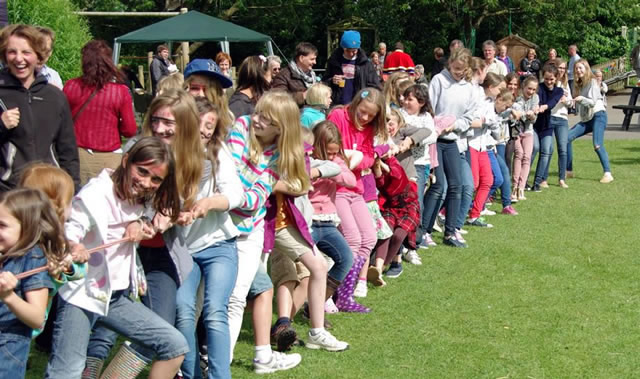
107,117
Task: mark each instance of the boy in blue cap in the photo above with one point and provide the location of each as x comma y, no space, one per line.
349,70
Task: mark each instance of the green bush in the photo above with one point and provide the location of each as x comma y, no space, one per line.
72,31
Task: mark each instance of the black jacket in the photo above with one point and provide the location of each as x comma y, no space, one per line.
45,132
365,76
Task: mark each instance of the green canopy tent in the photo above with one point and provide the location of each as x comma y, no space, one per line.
192,26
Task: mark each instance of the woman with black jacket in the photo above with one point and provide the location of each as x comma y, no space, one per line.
36,123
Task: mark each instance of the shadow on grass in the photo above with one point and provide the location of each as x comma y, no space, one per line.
625,161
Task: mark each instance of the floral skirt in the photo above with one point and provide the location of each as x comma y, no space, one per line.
383,231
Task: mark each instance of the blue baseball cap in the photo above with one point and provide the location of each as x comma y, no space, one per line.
207,67
350,40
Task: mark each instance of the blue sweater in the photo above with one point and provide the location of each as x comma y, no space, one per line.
550,97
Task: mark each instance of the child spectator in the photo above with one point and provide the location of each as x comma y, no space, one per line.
318,101
527,104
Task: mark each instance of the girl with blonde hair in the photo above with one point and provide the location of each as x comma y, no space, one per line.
268,153
593,116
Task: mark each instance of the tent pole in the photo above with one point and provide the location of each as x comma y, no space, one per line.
116,51
269,48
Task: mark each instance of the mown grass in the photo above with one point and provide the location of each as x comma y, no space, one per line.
550,293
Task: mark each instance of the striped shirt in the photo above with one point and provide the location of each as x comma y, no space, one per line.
257,179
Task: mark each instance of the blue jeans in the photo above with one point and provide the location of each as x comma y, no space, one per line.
596,125
14,352
536,149
505,188
218,266
421,183
449,169
546,151
162,285
129,318
561,130
466,199
498,179
331,242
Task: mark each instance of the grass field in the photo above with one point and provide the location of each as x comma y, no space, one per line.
550,293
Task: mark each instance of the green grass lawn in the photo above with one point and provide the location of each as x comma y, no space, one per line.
550,293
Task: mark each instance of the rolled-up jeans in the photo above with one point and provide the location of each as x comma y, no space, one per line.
545,138
129,318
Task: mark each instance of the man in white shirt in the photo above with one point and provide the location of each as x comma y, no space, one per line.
52,75
493,64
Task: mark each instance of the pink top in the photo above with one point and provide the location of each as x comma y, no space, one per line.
354,139
323,194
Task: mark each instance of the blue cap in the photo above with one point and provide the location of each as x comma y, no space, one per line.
350,40
207,67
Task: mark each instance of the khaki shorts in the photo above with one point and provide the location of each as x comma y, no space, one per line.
288,248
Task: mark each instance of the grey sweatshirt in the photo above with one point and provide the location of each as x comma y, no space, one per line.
456,98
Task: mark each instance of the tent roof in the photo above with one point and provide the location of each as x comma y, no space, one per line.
193,26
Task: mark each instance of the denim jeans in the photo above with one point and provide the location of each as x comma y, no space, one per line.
421,183
535,151
498,179
449,168
546,151
217,265
331,242
162,285
129,318
505,188
596,125
466,198
14,352
432,200
561,130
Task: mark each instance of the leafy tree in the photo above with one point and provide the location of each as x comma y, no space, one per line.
72,31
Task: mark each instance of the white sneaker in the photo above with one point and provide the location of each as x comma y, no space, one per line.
462,231
325,340
412,257
279,361
361,289
487,212
606,178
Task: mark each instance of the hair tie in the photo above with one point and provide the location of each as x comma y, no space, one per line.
364,94
262,58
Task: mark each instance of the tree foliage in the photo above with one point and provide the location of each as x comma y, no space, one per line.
421,24
72,31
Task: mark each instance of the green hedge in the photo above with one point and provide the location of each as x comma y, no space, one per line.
72,31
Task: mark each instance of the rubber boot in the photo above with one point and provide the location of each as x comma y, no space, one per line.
92,368
126,364
344,293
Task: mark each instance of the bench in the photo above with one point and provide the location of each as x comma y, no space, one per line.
630,109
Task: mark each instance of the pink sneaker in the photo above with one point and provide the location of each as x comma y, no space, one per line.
330,306
508,210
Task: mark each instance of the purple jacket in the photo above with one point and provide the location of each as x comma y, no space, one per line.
369,181
296,214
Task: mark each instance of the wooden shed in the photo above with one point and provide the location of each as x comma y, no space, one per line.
517,48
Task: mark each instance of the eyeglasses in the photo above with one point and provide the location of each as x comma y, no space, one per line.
166,121
261,119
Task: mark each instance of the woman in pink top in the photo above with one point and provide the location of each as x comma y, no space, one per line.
358,124
327,145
